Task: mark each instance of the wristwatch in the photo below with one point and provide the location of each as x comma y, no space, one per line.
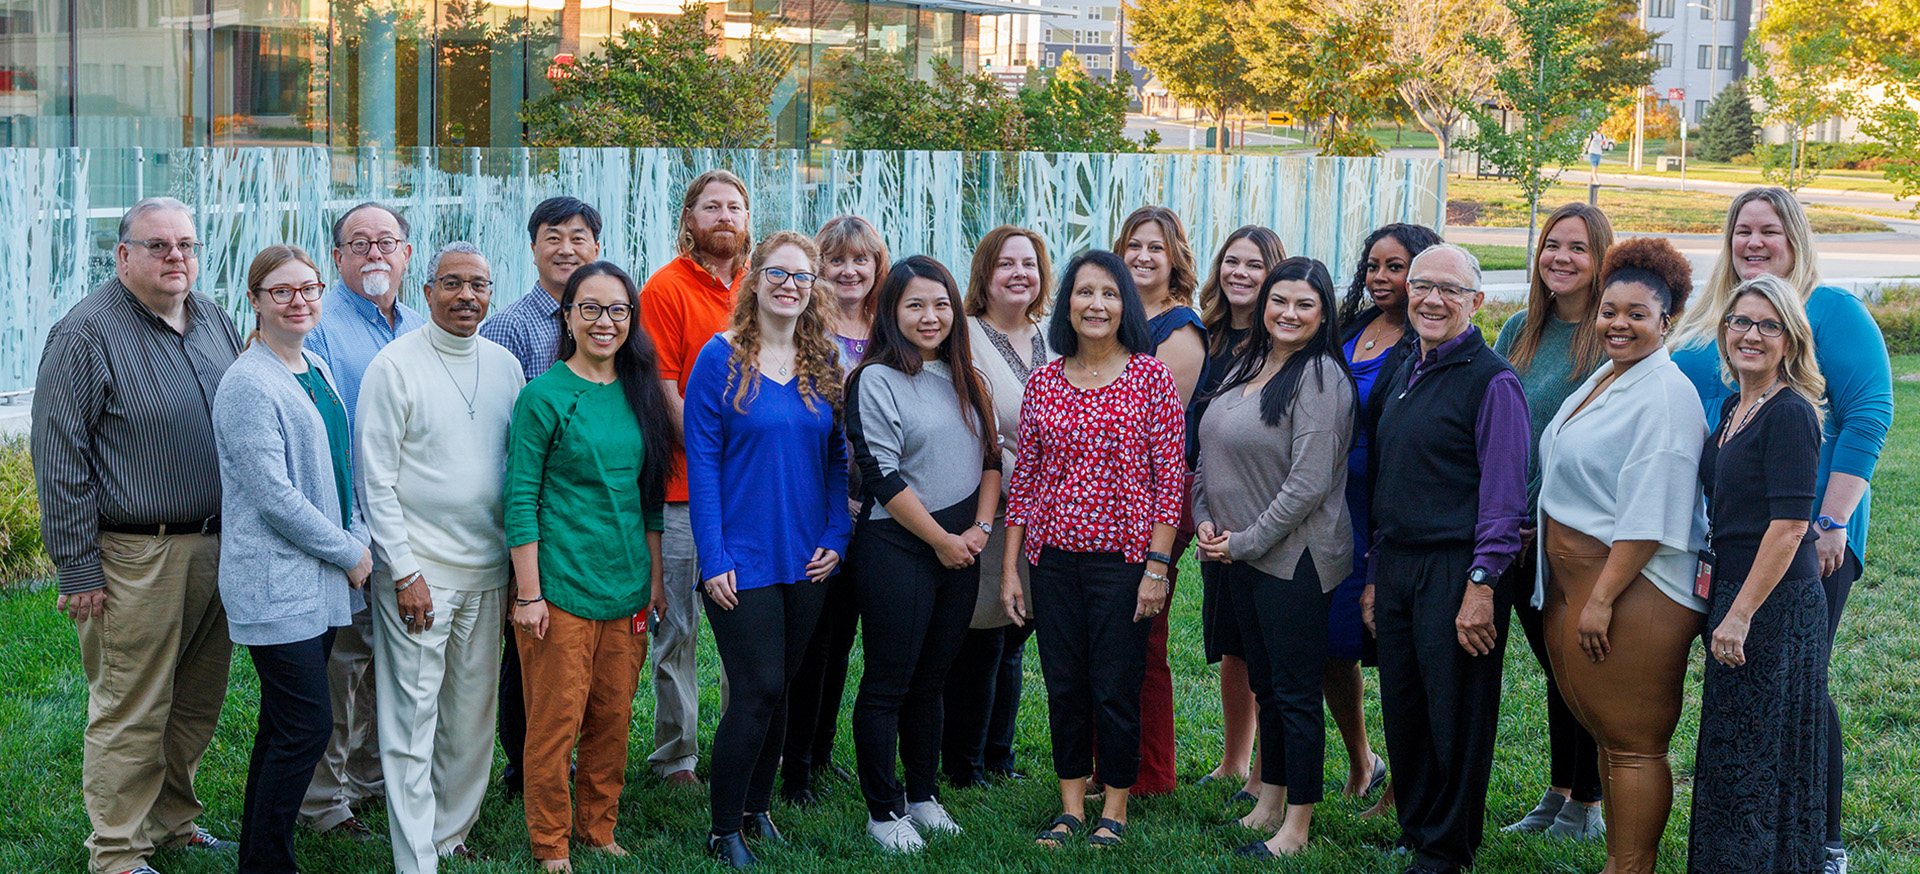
1479,578
986,527
1828,523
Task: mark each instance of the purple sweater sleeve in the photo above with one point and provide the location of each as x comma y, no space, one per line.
1501,437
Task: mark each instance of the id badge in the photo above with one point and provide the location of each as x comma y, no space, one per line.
1703,575
640,622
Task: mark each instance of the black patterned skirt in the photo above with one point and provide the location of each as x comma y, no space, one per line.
1760,774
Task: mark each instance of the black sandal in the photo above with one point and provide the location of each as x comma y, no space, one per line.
1116,829
1058,839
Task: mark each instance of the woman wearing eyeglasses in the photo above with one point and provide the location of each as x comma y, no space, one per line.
1767,233
1760,773
293,544
767,476
587,466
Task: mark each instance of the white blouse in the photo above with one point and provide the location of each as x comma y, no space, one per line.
1627,467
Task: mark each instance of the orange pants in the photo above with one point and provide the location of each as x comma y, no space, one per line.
1630,702
579,685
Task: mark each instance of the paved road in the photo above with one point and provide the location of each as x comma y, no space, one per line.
1173,134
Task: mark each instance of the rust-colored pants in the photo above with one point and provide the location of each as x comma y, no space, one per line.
579,686
1631,702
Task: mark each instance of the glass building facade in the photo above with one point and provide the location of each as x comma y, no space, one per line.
165,74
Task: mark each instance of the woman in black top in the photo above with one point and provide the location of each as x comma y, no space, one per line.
1759,799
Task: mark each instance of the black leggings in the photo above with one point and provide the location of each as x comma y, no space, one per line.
1283,628
761,641
915,612
1094,658
1838,586
814,696
296,717
1574,754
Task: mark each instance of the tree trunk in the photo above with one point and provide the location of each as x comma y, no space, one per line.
1533,224
1220,130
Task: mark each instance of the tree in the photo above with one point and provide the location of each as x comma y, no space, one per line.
1801,82
1661,122
1441,73
1330,61
1728,130
1618,61
1190,46
1896,124
1067,110
1815,60
663,82
882,107
1549,89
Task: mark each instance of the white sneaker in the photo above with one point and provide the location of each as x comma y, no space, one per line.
896,835
1836,861
929,815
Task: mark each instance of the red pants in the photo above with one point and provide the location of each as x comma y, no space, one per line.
1157,775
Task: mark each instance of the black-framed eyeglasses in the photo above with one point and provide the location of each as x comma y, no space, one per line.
284,293
361,247
1422,288
591,311
1741,324
451,284
800,280
160,249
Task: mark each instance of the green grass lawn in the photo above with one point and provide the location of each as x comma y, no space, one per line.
1838,180
1494,257
43,704
1499,204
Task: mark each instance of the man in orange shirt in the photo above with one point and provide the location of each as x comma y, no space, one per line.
682,306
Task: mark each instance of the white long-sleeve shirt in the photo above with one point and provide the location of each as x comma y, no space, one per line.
431,473
1627,467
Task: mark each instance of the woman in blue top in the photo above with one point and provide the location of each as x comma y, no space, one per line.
1767,233
1375,339
1153,245
767,476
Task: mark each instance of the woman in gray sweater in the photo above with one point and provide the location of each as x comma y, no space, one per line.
292,541
1269,503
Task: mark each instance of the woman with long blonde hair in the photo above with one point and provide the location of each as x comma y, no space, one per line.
767,472
1768,232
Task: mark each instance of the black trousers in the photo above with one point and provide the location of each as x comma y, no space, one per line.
296,718
512,724
1283,629
915,612
1573,753
814,696
998,756
983,704
1093,656
1440,705
1838,586
761,641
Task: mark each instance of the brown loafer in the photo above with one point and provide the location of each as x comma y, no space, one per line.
684,777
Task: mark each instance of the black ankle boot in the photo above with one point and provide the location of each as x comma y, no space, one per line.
731,850
760,825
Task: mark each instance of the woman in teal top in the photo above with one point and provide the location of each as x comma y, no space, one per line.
586,477
1768,232
1553,346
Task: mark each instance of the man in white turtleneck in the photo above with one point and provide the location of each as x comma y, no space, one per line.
431,429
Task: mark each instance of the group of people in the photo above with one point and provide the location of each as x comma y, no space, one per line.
809,443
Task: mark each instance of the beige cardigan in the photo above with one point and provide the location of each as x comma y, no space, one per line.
1007,391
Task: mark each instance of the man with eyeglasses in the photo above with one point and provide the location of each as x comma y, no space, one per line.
1450,497
565,233
431,432
130,500
361,315
681,307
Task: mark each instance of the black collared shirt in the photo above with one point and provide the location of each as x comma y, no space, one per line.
123,423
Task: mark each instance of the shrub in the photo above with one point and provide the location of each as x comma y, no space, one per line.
1897,309
1493,314
21,557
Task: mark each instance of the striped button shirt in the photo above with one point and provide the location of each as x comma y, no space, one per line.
351,331
123,423
530,329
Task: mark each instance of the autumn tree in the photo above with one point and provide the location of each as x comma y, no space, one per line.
1330,61
1191,46
1441,74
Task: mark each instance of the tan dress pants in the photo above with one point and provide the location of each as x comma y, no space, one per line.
579,685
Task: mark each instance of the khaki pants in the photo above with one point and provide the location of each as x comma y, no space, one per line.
437,691
350,773
580,682
676,686
156,666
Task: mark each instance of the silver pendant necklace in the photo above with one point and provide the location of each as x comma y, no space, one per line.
456,383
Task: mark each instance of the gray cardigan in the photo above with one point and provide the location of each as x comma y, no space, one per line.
283,554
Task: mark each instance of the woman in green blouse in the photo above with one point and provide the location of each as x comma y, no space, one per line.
586,474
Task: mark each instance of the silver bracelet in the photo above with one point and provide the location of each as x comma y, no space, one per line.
1153,576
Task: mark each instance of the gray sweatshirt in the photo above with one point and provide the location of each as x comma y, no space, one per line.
910,432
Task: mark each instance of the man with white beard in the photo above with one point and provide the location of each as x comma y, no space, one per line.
361,315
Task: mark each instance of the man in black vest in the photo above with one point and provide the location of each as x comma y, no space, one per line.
1449,499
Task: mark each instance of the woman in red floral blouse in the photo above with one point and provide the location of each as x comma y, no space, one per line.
1093,501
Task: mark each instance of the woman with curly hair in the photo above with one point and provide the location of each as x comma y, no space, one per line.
767,472
1620,521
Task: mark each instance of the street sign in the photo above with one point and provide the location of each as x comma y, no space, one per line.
1676,93
1280,119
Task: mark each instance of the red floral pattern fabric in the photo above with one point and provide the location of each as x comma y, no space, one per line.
1098,468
